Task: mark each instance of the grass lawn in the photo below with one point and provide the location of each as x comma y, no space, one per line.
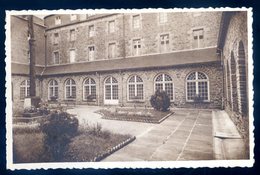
28,145
134,114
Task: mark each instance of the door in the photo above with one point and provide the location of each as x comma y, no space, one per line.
111,91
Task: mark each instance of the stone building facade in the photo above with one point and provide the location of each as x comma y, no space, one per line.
121,59
233,43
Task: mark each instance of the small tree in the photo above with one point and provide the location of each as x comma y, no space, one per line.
58,128
160,101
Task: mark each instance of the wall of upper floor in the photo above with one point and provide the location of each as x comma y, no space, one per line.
126,35
20,43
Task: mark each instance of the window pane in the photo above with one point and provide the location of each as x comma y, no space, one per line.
140,92
191,90
131,91
136,21
203,90
115,92
169,90
108,92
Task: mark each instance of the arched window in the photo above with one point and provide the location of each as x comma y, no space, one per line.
197,85
70,89
135,88
242,66
53,89
25,89
163,82
89,89
111,90
233,66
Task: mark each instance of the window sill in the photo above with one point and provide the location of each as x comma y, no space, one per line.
137,101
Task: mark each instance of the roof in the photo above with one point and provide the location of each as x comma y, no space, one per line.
23,69
142,62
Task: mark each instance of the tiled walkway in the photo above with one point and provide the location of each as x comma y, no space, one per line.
186,135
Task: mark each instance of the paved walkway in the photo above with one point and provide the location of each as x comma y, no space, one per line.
186,135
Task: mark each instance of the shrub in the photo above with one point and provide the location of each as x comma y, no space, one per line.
58,128
160,101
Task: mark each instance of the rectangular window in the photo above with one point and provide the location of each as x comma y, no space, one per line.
136,22
72,35
111,26
91,53
56,58
111,50
164,43
137,47
162,18
198,38
57,20
73,17
72,55
56,38
91,31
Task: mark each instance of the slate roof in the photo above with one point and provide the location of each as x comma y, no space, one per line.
197,56
23,69
141,62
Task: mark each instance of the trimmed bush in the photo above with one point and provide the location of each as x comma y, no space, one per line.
160,101
58,129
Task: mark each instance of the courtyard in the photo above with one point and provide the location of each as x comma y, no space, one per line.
188,134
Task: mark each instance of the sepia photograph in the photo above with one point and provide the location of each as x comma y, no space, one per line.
129,88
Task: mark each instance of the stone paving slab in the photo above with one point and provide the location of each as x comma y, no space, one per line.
185,135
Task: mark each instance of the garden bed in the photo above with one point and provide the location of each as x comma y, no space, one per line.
92,144
134,114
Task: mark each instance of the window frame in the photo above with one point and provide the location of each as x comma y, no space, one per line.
73,35
53,90
138,49
56,38
91,33
89,85
165,17
199,40
166,47
114,52
139,23
70,50
163,82
89,51
109,29
71,85
26,85
135,83
54,62
197,85
57,20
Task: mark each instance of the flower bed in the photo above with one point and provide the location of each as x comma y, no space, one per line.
91,143
133,114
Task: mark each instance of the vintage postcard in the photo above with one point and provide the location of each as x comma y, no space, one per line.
147,88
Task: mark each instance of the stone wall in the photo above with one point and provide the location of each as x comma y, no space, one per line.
237,43
179,26
177,73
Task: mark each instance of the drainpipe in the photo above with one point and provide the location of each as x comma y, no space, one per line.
223,78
